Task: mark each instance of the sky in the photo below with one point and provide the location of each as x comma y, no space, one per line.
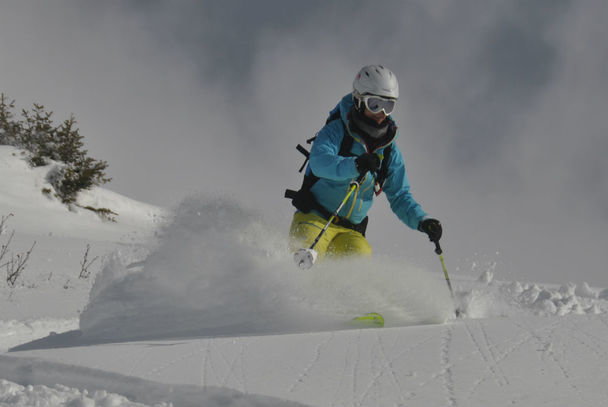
502,110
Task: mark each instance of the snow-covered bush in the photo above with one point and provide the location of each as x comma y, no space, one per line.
45,143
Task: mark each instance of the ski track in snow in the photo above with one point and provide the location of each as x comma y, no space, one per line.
355,368
487,349
371,367
389,365
547,349
316,357
486,354
594,349
446,367
231,372
156,371
205,350
385,366
492,361
335,397
237,360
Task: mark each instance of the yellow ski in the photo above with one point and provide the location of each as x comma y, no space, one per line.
370,320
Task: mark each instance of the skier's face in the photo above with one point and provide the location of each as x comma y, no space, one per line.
377,117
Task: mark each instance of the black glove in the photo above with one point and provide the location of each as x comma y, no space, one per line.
431,227
367,162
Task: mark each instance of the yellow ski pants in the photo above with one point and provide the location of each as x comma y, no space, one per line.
336,241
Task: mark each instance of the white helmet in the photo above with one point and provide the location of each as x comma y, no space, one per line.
376,80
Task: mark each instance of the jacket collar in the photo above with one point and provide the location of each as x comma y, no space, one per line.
345,105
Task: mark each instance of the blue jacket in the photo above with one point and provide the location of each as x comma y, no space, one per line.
336,173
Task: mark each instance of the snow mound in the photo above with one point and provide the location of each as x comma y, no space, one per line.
38,213
82,387
490,298
42,396
220,270
14,332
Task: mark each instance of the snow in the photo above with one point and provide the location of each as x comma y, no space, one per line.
216,260
15,332
37,214
202,305
14,394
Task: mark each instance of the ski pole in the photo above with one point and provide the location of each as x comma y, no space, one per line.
439,252
305,258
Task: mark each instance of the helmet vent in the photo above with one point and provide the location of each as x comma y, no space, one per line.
376,80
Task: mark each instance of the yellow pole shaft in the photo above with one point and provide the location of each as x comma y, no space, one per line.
353,187
445,273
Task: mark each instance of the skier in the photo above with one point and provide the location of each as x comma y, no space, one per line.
357,140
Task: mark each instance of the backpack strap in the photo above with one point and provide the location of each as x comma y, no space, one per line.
345,146
347,142
382,175
303,199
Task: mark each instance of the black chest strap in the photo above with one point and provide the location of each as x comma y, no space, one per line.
305,201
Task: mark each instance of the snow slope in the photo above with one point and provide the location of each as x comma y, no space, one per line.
36,214
207,309
522,361
60,237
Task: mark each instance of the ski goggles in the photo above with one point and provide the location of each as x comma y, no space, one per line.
377,104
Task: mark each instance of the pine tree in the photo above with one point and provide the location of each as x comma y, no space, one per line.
9,127
45,142
37,136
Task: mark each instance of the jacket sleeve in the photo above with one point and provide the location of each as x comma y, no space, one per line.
324,159
397,189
